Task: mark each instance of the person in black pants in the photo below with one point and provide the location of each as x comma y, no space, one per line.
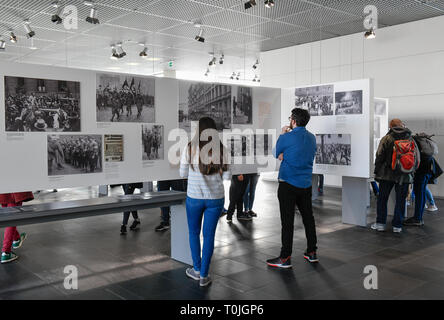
238,186
177,185
129,189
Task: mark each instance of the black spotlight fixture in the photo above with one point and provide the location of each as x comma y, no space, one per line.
249,4
200,37
56,17
222,58
92,18
2,45
207,73
120,51
144,52
232,76
212,62
269,4
370,34
255,65
28,30
238,76
12,37
114,54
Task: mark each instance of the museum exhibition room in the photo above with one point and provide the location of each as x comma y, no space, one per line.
221,158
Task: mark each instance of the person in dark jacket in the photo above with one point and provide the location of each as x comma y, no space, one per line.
388,178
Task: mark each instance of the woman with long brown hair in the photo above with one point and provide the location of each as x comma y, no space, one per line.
204,163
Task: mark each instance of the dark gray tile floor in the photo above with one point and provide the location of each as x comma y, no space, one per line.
137,266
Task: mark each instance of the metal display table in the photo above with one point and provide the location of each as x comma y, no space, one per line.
66,210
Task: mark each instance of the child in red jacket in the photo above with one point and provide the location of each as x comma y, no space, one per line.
12,239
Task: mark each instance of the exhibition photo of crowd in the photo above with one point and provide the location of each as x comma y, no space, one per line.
333,149
36,105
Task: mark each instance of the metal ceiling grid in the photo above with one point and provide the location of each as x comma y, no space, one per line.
283,8
183,10
306,36
272,29
235,38
142,21
188,30
232,20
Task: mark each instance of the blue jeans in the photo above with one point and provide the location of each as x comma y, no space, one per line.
251,191
385,187
419,187
210,210
429,197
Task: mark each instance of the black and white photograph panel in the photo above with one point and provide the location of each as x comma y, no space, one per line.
113,148
263,144
74,154
152,142
333,149
318,100
197,100
42,105
349,102
242,105
124,98
239,146
380,107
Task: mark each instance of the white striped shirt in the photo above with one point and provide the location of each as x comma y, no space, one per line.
202,186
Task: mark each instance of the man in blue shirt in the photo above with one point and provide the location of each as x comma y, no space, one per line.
296,148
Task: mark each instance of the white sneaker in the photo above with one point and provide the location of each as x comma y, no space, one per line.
432,208
426,206
378,226
397,230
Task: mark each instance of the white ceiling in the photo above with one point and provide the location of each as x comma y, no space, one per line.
166,26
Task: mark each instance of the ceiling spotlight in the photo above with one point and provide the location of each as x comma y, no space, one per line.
212,63
114,54
200,37
120,51
92,18
269,4
255,78
2,45
206,73
238,76
12,37
249,4
56,17
370,34
222,58
29,32
232,76
144,52
256,64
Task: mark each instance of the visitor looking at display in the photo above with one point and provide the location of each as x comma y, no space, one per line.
250,193
391,171
238,186
296,148
205,195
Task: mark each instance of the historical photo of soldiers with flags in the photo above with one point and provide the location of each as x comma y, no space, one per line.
197,100
152,142
74,154
333,149
317,100
41,105
242,105
123,98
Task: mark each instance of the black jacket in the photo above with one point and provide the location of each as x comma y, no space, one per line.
383,161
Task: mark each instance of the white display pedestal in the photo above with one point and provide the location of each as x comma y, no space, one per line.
180,244
355,197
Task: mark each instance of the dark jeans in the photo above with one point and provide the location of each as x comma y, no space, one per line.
385,187
237,191
419,187
321,182
177,185
128,189
250,191
290,197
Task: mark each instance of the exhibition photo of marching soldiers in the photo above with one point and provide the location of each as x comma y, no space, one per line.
37,105
74,154
333,149
152,141
125,99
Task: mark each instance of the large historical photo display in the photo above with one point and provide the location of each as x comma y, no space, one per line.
333,149
239,145
113,148
41,105
349,102
242,105
197,100
263,144
317,100
152,142
124,98
74,154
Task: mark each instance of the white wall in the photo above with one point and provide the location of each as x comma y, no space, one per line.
406,62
